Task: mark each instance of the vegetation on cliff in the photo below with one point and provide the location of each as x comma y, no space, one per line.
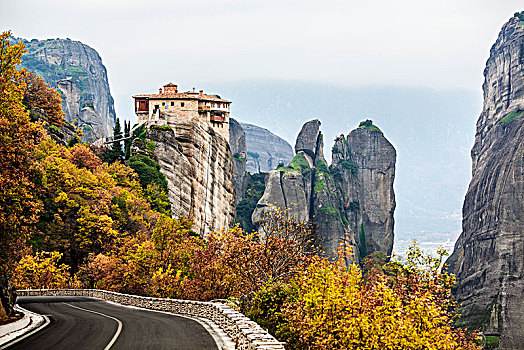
254,190
368,124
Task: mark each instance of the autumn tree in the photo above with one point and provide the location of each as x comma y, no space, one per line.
19,206
89,206
39,98
43,270
331,306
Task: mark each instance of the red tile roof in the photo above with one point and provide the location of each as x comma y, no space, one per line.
188,95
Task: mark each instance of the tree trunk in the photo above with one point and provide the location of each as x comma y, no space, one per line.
7,297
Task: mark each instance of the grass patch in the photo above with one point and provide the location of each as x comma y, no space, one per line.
344,219
329,210
511,116
319,185
161,127
492,342
236,156
320,176
299,163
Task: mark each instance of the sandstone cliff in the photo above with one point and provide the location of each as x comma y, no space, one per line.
77,72
198,166
488,254
265,150
237,142
352,200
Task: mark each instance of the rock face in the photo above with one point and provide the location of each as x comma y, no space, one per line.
265,150
488,254
77,72
198,166
237,142
351,201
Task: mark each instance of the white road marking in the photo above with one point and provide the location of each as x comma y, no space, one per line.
14,341
119,329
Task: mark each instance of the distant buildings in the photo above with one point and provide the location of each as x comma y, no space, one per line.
169,105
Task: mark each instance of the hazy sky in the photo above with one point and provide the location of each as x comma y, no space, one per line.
143,44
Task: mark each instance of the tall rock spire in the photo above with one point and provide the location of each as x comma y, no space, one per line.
350,201
488,256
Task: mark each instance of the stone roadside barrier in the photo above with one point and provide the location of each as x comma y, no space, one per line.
246,334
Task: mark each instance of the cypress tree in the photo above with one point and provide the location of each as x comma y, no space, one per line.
116,148
127,143
114,153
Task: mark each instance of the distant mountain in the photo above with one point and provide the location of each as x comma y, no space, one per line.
77,72
265,150
432,131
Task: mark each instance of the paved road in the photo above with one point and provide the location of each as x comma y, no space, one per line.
84,323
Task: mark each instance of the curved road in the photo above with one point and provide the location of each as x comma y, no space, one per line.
85,323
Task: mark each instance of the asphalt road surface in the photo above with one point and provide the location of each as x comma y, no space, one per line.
84,323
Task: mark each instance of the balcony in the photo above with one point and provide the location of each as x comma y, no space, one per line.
204,108
215,118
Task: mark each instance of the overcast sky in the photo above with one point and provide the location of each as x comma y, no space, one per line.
143,44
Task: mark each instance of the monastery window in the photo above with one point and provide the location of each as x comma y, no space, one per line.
172,104
181,104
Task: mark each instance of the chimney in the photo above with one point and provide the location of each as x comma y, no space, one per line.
201,92
170,88
160,91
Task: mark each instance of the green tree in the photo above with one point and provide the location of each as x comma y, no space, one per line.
114,152
128,140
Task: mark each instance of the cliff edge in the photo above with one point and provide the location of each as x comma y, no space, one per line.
487,258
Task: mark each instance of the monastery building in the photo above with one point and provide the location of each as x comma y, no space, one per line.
170,105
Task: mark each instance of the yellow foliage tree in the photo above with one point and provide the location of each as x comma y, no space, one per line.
42,270
334,307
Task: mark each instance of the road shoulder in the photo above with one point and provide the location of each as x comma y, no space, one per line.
14,332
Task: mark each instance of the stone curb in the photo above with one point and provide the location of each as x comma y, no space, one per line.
12,332
246,334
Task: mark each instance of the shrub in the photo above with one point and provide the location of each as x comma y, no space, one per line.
148,171
368,124
161,127
349,165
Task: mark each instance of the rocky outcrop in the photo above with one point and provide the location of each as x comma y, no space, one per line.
487,259
237,142
198,166
265,150
77,72
351,201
